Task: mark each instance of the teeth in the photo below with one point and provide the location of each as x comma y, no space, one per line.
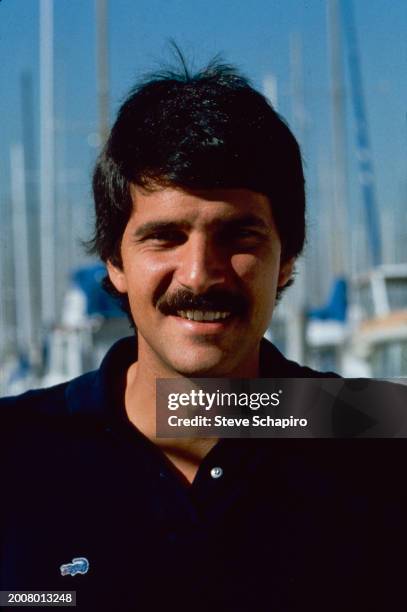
199,315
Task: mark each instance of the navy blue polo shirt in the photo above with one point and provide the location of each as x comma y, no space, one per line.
266,524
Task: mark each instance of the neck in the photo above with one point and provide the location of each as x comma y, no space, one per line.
185,454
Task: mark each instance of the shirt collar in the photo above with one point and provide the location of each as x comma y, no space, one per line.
100,394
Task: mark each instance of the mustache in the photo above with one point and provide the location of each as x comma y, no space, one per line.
216,300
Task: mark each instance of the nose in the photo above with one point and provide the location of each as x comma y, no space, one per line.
202,265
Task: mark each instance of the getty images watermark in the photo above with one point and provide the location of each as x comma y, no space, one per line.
218,400
268,408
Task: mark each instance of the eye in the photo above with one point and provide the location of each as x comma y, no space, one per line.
246,234
171,237
243,238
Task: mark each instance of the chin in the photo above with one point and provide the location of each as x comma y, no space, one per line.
204,366
209,372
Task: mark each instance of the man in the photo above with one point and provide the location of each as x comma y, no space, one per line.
199,197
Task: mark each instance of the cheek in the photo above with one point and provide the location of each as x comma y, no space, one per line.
255,270
144,274
259,277
246,266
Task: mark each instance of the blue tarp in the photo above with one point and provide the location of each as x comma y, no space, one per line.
336,308
98,302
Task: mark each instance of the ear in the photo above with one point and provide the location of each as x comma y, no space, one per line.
117,276
286,272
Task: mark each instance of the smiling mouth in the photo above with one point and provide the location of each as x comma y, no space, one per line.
203,316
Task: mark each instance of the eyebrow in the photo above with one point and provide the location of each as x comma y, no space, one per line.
158,226
248,220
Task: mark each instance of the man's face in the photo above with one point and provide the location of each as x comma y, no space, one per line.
201,270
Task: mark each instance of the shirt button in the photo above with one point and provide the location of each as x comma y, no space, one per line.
216,472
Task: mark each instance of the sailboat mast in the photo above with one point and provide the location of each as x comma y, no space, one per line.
340,209
23,301
366,172
47,187
102,68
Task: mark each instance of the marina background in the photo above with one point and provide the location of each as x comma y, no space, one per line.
335,69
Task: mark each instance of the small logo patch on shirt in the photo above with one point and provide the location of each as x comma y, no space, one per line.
79,565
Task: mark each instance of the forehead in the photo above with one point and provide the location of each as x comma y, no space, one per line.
197,207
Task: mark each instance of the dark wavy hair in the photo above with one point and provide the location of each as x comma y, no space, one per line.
206,130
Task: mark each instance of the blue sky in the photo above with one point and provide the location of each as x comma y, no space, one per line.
253,35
